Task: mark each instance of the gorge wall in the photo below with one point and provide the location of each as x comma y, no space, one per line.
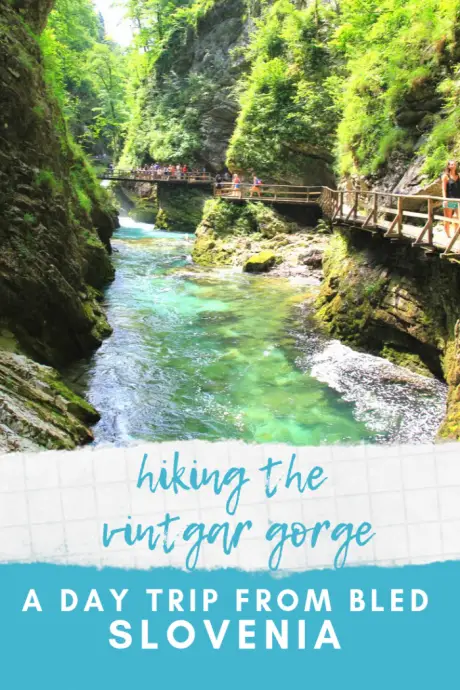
191,105
187,106
55,228
396,302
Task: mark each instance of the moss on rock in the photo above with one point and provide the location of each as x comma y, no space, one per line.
38,411
230,233
168,206
180,208
392,301
261,262
57,220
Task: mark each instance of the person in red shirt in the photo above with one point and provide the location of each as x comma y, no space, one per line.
256,186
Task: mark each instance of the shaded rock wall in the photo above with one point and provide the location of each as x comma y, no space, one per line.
398,303
55,229
35,12
180,208
51,208
176,208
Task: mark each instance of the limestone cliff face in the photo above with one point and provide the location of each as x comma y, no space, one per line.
35,12
37,410
50,208
398,303
55,228
190,90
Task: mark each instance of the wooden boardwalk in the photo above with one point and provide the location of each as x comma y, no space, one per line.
416,219
190,178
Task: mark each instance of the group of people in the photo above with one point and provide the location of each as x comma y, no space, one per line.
157,171
236,184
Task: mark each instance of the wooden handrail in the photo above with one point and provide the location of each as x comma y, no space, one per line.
373,211
366,209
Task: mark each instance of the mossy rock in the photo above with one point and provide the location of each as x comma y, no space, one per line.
38,410
260,263
207,252
180,209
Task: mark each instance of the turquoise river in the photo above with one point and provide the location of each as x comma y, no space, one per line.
218,354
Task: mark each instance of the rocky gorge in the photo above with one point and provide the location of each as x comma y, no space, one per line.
291,91
55,229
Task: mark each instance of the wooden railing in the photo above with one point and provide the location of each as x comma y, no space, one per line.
276,193
400,216
403,217
152,176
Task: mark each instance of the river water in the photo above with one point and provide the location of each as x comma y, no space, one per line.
217,354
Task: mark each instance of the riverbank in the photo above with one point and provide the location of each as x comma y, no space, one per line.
217,353
259,239
395,301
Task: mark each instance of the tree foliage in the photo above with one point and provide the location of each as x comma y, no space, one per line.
398,56
168,102
87,75
369,81
287,98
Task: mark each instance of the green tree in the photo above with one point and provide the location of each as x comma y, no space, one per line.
398,54
286,100
91,95
106,68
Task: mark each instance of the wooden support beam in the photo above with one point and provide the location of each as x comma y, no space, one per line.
428,227
399,217
354,209
389,232
451,243
397,222
372,214
337,207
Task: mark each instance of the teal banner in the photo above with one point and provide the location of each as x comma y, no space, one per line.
75,627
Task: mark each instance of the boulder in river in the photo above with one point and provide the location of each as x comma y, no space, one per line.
260,263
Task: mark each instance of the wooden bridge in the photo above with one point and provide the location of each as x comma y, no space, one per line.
398,217
189,178
415,219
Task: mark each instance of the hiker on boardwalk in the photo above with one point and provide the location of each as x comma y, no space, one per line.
451,190
236,185
256,186
219,184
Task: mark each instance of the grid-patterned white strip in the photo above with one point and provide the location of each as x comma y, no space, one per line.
53,504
